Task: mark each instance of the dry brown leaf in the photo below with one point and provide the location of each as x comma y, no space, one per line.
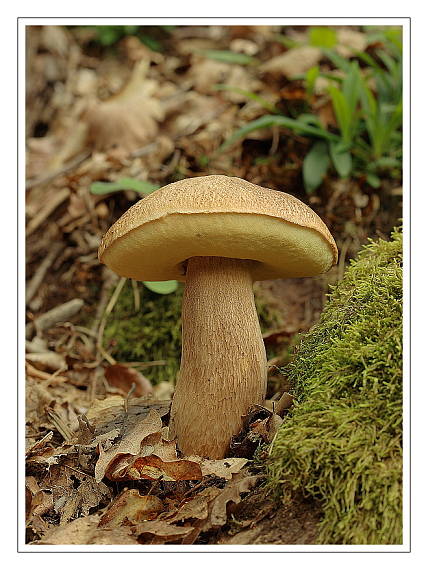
153,467
231,493
131,508
130,444
293,62
85,530
349,41
205,73
224,468
122,377
194,508
38,502
109,414
156,460
162,531
129,119
267,428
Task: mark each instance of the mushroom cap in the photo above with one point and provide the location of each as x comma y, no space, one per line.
218,216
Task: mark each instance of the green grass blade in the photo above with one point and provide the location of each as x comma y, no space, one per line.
140,186
249,94
227,56
280,121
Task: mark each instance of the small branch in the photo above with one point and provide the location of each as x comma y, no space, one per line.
41,271
52,175
45,212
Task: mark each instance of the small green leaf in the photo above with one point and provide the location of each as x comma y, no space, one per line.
322,37
161,287
373,180
342,159
315,166
227,56
100,188
311,76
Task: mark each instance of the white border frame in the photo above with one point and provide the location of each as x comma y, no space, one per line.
326,21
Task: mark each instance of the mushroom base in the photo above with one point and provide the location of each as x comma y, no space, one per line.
223,364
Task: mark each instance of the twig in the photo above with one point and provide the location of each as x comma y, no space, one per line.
36,373
136,291
52,175
45,212
342,258
109,279
60,425
56,315
40,272
108,310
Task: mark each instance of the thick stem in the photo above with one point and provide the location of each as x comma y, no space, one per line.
223,362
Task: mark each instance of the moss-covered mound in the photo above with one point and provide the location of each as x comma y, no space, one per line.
342,443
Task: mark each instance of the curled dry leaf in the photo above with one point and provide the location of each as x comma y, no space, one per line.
131,508
123,377
231,493
129,119
130,444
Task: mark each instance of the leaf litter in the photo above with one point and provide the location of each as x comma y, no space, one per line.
176,499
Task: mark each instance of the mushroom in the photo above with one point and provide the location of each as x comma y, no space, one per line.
218,234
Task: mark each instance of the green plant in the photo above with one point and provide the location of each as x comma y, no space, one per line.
341,443
151,36
140,186
367,105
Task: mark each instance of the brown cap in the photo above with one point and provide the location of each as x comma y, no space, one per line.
218,216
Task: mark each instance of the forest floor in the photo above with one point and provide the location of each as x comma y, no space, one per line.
142,117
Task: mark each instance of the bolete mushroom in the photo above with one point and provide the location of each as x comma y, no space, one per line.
218,234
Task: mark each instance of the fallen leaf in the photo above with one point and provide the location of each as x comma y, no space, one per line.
224,468
162,531
130,508
194,508
129,119
153,467
123,377
350,41
231,493
85,530
130,444
293,62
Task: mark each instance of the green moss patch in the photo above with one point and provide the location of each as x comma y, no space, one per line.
151,333
342,443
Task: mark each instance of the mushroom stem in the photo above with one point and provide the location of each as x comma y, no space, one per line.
223,363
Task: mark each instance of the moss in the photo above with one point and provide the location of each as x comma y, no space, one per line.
151,333
342,443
